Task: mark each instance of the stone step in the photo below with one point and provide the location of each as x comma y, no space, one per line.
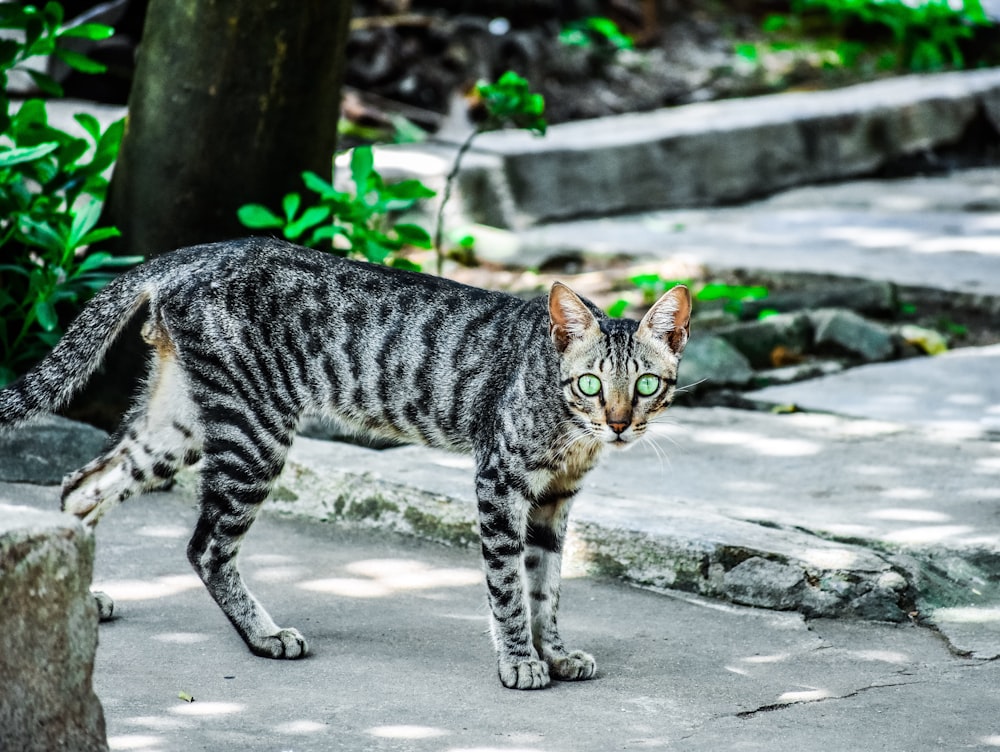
707,153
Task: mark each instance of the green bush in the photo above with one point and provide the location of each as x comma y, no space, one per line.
924,35
361,219
52,186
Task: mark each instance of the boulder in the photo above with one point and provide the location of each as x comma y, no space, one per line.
45,450
845,332
48,620
757,340
715,362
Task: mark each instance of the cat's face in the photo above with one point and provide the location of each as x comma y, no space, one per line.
617,374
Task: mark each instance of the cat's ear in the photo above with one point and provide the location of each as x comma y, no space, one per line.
569,318
669,320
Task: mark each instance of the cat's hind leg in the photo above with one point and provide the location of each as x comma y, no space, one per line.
242,459
158,437
545,538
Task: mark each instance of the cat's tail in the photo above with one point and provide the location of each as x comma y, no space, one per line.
65,371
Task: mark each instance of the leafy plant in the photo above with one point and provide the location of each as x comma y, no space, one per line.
507,101
52,186
652,286
595,32
348,224
925,34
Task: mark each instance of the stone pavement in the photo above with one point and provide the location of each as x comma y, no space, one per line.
880,502
401,659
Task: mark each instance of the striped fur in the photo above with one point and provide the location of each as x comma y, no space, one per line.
247,336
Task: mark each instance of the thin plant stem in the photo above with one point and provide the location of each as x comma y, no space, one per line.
448,183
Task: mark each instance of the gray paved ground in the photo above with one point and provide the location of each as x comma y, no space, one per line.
899,480
401,660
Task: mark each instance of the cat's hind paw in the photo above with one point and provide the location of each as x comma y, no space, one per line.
286,644
574,666
528,674
105,606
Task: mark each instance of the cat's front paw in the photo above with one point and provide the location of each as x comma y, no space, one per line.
574,666
527,674
287,644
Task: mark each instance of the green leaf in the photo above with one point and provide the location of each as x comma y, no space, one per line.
99,235
317,184
290,205
414,235
43,235
258,217
310,218
84,220
90,124
26,154
79,62
45,312
408,189
617,309
9,50
88,31
405,264
362,166
326,233
45,83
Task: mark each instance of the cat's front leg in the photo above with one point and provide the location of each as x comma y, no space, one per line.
502,523
546,533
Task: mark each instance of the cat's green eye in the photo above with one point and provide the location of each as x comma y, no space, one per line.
647,384
589,384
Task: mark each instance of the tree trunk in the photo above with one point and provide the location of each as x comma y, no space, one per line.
232,100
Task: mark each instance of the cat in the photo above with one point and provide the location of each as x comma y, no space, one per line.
245,336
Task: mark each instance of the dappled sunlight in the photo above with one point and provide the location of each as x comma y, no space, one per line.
459,462
494,749
143,590
764,445
772,658
927,534
301,727
182,638
909,515
164,531
828,558
990,741
406,732
873,237
880,656
199,708
987,466
378,578
907,493
968,615
123,742
984,244
805,695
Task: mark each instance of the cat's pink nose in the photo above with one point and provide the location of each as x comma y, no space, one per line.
618,426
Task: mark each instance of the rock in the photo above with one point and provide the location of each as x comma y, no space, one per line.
846,332
798,372
49,627
714,362
757,340
43,452
765,584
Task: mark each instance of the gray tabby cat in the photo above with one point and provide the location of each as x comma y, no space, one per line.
247,336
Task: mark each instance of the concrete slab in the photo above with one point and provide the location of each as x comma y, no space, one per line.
401,659
955,393
941,232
